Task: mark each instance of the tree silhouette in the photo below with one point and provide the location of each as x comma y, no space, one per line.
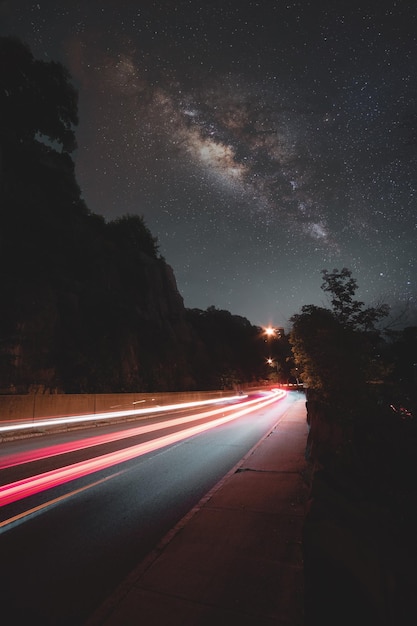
231,351
37,99
350,312
334,347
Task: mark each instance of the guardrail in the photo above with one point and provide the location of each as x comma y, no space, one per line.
31,408
29,415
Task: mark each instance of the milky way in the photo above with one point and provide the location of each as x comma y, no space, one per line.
261,143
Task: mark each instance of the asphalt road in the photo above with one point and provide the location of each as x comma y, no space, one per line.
61,561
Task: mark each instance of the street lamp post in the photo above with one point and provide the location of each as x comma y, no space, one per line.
272,334
273,364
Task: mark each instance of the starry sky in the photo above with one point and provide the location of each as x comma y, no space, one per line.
262,141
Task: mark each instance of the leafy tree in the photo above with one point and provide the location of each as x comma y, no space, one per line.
37,99
230,350
40,207
334,347
130,232
39,195
341,288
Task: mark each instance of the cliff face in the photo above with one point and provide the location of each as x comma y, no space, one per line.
163,300
89,336
155,353
86,305
90,307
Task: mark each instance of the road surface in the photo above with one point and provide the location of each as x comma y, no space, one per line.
65,548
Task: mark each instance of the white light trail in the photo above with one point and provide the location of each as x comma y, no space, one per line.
80,444
56,421
35,484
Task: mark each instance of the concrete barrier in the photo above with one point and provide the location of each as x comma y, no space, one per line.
29,408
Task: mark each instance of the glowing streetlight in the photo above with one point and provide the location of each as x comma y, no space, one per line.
270,332
275,366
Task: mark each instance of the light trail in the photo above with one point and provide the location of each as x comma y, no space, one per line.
65,448
57,421
41,482
16,519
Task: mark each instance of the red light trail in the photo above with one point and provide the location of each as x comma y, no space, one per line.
41,482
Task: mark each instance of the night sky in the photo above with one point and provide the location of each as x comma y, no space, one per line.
261,141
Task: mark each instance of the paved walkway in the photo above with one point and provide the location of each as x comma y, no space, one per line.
237,557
